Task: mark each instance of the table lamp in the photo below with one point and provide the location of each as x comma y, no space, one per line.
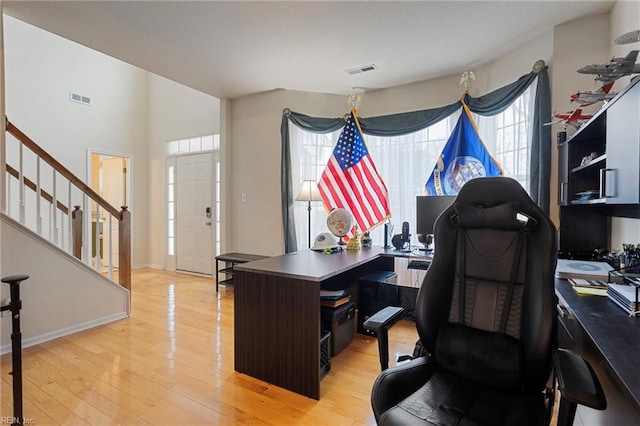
309,192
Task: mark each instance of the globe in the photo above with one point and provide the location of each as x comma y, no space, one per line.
339,222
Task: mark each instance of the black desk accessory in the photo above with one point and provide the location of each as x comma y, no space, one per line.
14,306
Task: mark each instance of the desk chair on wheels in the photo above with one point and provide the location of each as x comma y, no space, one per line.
486,319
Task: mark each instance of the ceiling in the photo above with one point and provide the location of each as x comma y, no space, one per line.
230,49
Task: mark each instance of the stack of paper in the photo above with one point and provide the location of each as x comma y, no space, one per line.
624,296
583,286
586,269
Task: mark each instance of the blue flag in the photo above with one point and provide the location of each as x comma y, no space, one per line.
464,157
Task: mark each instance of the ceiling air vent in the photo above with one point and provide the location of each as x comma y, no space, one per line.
76,97
362,69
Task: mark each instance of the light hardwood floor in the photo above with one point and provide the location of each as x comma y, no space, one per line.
171,363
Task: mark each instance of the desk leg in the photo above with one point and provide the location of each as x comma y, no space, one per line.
217,276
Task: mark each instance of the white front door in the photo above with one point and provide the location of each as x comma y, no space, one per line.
194,213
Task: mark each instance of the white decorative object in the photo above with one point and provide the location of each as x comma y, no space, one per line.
466,76
339,222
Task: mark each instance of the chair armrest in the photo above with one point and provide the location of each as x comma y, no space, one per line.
380,322
578,384
383,319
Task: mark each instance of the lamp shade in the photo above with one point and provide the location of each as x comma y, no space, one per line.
309,191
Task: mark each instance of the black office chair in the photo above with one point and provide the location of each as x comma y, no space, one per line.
486,318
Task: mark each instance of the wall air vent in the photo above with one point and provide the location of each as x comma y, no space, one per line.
359,70
76,97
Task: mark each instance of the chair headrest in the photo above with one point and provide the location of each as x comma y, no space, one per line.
497,203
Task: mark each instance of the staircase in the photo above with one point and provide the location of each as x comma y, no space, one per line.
56,229
40,195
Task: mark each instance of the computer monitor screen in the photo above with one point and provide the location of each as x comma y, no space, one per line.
428,208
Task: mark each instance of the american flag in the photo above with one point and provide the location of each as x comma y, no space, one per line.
351,181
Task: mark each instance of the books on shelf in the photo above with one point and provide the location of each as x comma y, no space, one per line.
585,269
624,296
582,282
332,294
333,303
334,298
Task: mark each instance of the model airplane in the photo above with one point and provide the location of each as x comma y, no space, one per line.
590,97
616,68
574,118
626,38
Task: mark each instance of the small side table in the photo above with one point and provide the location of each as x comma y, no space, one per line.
232,259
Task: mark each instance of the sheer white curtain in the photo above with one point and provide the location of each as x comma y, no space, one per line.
406,162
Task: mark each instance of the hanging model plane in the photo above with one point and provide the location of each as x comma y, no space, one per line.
590,97
574,118
616,68
626,38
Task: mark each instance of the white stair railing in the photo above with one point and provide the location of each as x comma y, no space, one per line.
76,230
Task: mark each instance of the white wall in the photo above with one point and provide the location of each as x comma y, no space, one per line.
41,70
61,296
446,90
175,112
625,17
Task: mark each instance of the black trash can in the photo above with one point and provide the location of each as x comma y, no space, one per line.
340,321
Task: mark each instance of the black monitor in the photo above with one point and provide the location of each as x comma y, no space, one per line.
428,208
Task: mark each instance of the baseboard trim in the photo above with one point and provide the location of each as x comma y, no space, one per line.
32,341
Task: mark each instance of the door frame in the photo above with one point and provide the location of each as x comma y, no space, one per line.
129,195
171,161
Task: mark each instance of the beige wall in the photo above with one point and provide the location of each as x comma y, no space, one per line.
256,225
575,44
175,111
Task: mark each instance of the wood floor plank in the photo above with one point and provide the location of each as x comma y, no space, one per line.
171,363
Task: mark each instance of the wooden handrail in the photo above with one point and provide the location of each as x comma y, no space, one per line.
123,216
44,155
31,185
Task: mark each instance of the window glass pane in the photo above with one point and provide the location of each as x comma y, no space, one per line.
184,145
172,147
170,229
170,247
170,175
171,212
207,142
216,141
170,193
194,145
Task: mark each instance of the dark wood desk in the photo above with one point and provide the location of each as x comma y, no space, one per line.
277,312
610,340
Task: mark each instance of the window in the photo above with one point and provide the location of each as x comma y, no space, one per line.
195,144
170,212
406,162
